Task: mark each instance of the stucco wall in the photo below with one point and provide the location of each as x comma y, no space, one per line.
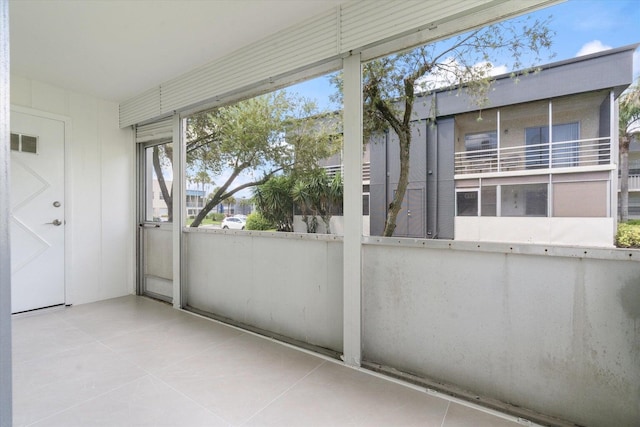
550,329
101,192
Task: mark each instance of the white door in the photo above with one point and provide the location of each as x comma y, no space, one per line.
37,212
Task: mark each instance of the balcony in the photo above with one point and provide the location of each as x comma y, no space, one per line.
563,154
332,170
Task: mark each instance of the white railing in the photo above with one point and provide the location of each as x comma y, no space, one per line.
579,152
333,169
634,183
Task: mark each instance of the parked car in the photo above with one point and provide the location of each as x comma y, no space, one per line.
233,223
242,217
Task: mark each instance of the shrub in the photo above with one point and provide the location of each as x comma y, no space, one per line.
628,235
255,221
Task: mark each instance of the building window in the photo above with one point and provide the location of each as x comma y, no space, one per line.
467,203
481,151
564,148
484,142
366,194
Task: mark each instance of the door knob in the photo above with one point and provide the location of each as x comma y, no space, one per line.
55,222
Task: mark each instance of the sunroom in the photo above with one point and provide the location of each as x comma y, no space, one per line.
521,334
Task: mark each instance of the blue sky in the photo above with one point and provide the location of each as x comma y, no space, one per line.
581,27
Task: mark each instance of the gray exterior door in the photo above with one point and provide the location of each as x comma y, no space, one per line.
411,219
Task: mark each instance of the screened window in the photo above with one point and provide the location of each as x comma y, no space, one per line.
489,201
467,203
524,200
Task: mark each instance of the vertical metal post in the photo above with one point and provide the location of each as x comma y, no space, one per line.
5,212
614,159
352,268
178,209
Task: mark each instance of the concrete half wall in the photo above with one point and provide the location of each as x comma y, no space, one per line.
555,330
289,284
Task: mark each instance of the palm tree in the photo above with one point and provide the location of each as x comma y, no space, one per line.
274,201
629,129
230,201
302,196
316,194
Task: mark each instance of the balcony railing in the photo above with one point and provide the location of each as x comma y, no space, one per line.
579,152
634,183
332,170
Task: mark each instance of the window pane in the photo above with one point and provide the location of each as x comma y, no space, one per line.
489,206
476,142
29,144
565,145
158,183
467,203
537,142
15,142
524,200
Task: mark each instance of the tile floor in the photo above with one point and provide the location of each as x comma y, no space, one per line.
133,361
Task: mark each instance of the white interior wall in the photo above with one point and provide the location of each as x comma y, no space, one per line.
100,175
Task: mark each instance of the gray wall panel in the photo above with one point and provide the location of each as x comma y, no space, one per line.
446,185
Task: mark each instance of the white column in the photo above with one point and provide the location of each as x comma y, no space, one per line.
5,248
352,270
179,208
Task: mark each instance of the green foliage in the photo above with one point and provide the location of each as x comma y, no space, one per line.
629,114
274,201
256,139
316,194
628,235
215,217
255,221
629,130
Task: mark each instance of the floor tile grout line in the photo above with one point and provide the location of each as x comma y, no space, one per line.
60,315
181,393
275,399
176,362
446,411
422,389
447,397
77,404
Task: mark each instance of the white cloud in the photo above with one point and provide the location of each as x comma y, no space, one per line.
451,71
592,47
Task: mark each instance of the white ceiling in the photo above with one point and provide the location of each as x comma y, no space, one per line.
115,49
